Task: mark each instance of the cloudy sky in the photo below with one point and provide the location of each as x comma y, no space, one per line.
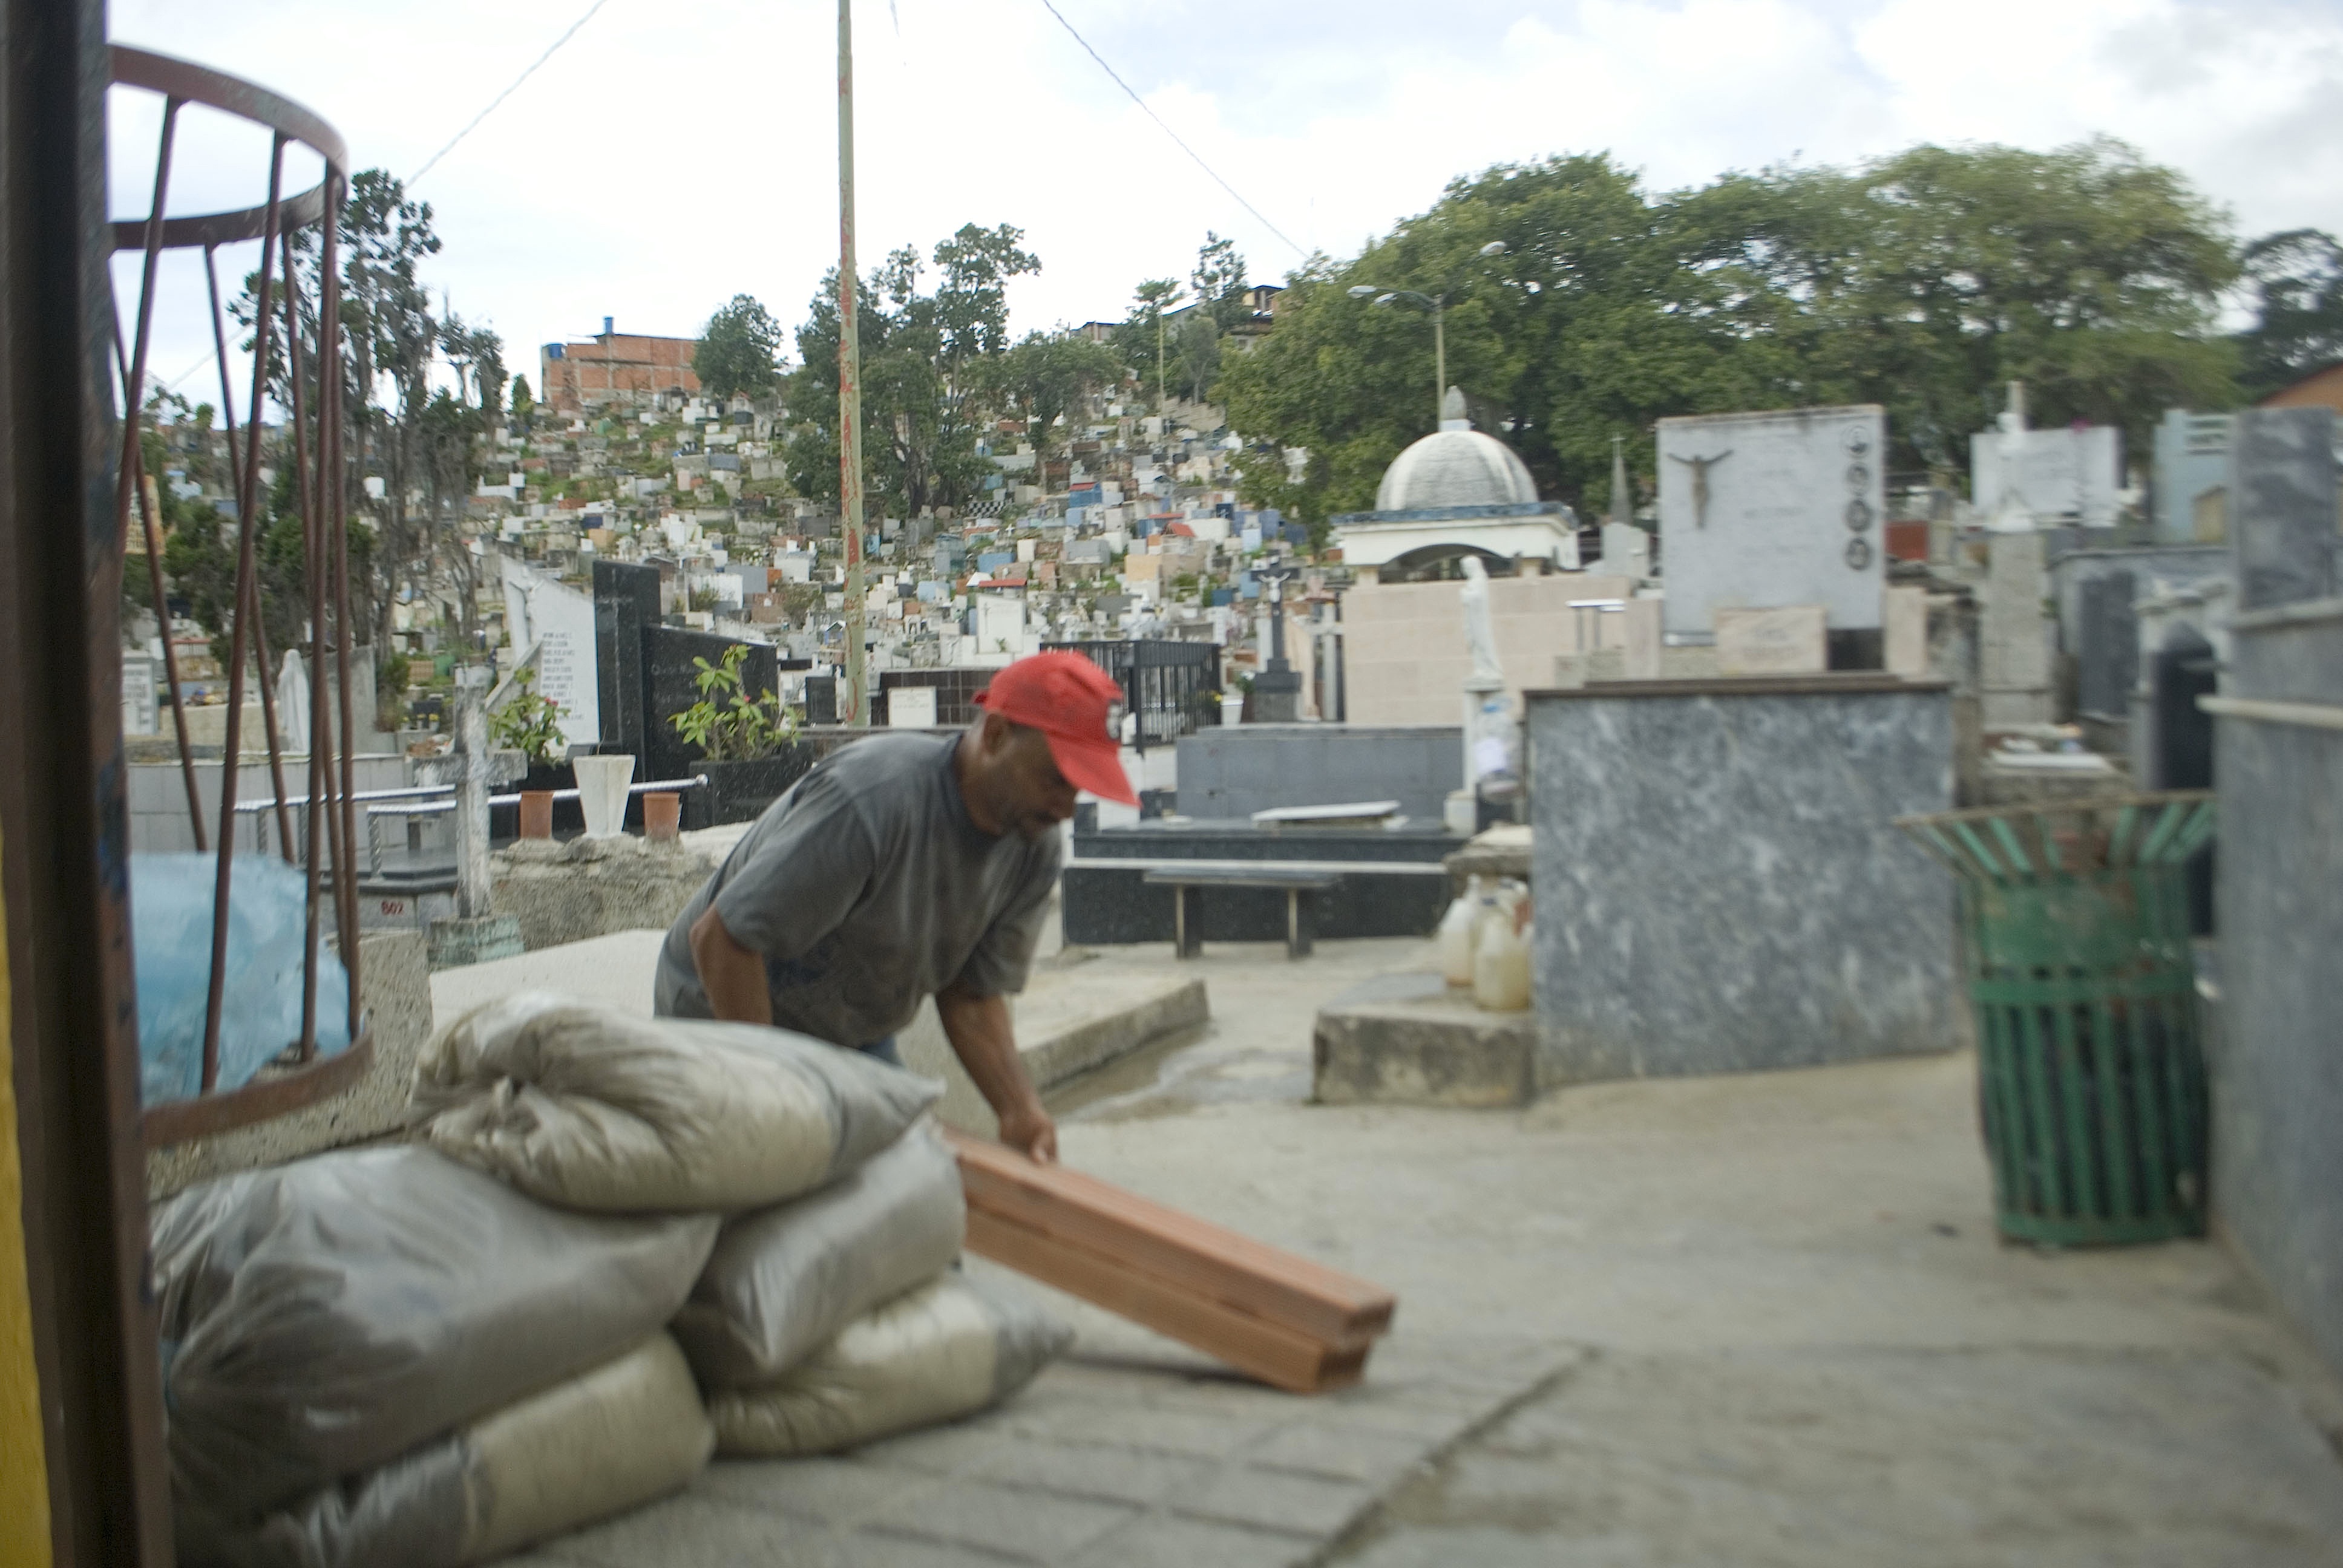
672,154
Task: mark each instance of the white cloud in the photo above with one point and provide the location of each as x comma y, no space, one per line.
672,155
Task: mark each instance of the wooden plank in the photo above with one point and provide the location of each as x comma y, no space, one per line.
1194,1256
1277,1355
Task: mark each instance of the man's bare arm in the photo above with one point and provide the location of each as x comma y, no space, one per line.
979,1029
733,976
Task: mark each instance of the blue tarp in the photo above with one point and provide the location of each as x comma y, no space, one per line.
260,1014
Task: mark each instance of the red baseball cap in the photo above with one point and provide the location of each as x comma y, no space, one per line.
1078,707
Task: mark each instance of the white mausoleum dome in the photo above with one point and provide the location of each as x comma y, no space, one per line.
1456,466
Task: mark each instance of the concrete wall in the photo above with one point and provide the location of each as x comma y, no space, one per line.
2276,1074
158,800
1236,770
585,887
1718,886
1405,656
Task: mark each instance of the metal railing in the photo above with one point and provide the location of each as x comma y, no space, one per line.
1168,685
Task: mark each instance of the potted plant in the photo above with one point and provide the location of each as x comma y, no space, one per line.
530,724
746,742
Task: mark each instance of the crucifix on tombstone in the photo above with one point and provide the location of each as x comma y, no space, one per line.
1277,689
1700,468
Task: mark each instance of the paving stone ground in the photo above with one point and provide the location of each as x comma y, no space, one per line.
1095,1463
1751,1321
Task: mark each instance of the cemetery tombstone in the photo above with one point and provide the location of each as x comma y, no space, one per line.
2106,653
1767,510
140,708
626,601
1903,636
1642,638
560,622
2048,474
1786,640
911,708
2282,518
2014,647
1626,550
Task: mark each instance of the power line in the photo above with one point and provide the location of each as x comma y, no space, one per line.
507,92
1168,131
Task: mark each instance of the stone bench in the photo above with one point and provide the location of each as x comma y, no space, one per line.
1187,879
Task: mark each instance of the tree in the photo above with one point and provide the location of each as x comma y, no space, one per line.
1141,337
1217,279
524,403
926,372
736,354
1217,292
2297,279
1927,280
1048,374
1922,281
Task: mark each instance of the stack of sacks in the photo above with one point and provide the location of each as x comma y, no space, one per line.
379,1357
829,1313
836,1320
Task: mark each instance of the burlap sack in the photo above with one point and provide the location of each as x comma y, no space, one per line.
948,1349
629,1431
589,1107
321,1318
784,1281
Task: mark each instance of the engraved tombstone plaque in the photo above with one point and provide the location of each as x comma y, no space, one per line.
1765,510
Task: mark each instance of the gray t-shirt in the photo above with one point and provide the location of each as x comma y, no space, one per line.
868,890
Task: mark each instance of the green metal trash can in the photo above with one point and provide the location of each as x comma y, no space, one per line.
2090,1067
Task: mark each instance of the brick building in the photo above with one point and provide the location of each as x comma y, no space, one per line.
610,367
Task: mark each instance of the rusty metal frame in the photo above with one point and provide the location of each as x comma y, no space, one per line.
321,487
63,823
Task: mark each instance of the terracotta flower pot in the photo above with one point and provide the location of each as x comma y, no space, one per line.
537,813
662,815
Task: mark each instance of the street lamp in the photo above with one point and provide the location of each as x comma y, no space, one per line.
1438,304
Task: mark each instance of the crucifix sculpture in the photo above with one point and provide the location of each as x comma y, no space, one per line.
1700,468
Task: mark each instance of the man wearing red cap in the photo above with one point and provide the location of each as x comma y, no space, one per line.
905,867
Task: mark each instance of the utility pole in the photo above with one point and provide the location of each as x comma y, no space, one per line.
856,709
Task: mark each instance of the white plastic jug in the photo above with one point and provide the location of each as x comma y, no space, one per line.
1456,928
1499,900
1501,968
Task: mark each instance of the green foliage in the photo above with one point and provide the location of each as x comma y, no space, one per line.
736,354
727,723
200,544
527,723
2297,279
1046,375
1191,343
926,368
1144,337
1218,280
524,403
1922,281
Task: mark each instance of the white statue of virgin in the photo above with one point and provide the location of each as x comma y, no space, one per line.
1479,625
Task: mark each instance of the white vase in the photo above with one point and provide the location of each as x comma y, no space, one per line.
602,793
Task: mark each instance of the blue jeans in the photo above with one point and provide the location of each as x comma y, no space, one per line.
884,1050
